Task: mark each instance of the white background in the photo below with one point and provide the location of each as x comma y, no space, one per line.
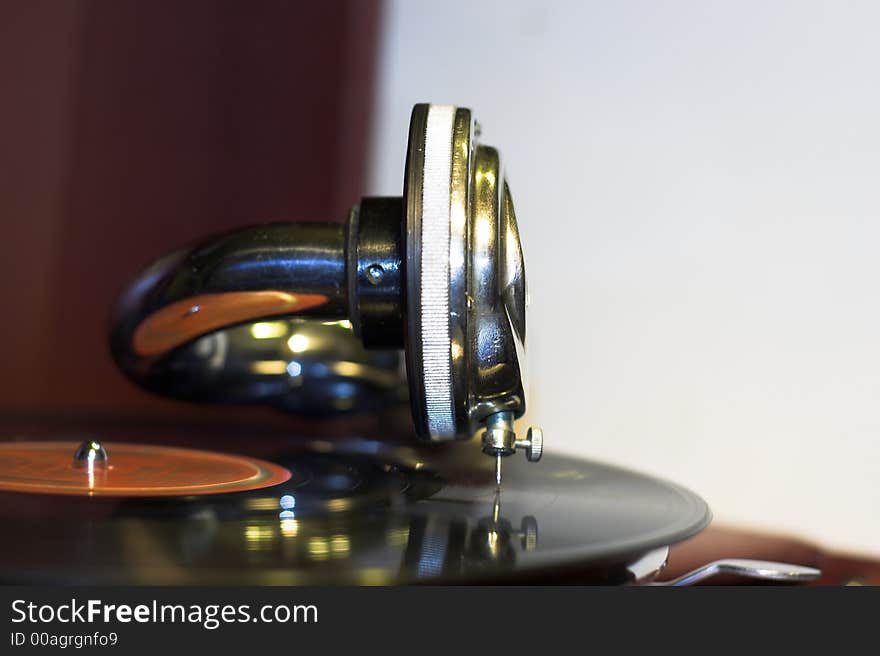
697,187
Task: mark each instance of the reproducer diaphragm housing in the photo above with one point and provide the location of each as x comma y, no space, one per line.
310,317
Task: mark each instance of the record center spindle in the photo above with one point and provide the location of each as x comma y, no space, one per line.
91,455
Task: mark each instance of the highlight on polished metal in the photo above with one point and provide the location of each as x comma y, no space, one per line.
438,273
91,455
762,570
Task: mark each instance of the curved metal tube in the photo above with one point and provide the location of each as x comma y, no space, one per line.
189,314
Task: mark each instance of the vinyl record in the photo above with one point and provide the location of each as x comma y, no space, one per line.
358,512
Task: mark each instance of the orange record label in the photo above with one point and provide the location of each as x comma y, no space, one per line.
133,470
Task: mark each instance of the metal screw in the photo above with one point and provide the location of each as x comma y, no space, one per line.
499,440
375,273
535,449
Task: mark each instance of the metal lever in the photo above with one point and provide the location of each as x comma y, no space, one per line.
764,570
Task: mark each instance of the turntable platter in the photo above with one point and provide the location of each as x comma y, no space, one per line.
351,512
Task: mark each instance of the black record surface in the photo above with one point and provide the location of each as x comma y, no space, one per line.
359,512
